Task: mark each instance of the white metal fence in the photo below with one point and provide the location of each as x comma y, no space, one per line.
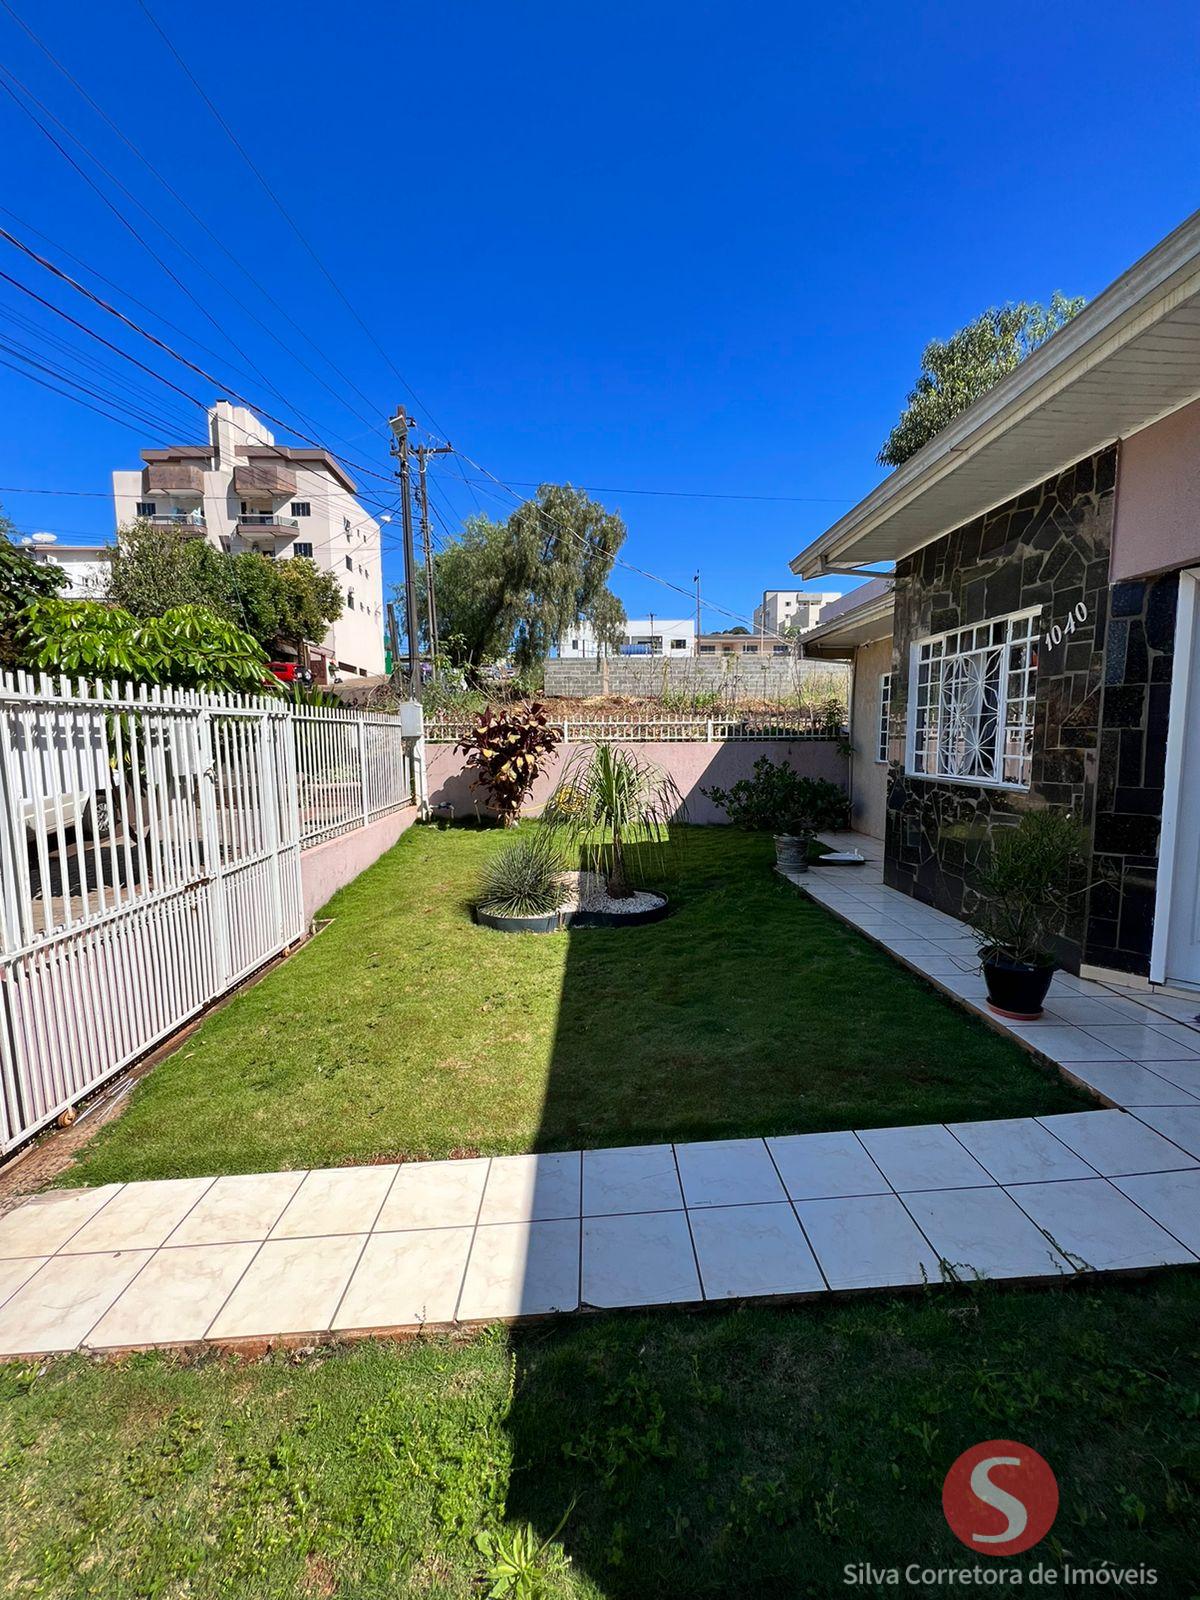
656,730
150,848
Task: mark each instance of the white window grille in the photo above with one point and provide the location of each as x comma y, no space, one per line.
885,711
973,703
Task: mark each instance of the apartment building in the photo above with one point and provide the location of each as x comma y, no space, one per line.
789,608
241,491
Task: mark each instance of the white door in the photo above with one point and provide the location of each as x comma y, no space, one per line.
1176,954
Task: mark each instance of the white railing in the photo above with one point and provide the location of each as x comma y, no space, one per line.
150,847
352,767
656,730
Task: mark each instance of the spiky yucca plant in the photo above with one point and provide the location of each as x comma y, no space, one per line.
523,878
608,798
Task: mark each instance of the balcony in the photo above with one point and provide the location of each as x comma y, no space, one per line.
177,519
263,480
172,477
249,521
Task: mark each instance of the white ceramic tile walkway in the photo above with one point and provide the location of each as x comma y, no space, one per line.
388,1248
434,1243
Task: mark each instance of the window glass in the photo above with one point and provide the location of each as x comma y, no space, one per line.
973,703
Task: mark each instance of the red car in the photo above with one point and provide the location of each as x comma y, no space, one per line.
285,671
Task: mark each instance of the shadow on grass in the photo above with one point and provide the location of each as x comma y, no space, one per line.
723,1450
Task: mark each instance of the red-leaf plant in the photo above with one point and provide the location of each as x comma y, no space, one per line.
508,744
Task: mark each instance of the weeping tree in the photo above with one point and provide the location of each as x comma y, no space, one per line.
519,586
607,799
956,371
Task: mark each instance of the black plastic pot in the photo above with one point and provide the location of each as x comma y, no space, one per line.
1016,989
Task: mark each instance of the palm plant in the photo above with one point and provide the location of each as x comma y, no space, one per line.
609,798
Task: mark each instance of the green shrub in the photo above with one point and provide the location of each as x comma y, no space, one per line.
523,878
508,744
778,800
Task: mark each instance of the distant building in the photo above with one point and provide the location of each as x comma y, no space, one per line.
644,636
241,491
789,608
741,644
86,565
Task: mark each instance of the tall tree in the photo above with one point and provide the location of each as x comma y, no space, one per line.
518,586
279,603
956,371
22,581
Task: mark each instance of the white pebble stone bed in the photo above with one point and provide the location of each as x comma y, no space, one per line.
585,891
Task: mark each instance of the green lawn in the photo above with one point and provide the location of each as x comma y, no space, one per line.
719,1454
405,1030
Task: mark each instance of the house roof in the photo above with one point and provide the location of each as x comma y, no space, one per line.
862,615
1129,358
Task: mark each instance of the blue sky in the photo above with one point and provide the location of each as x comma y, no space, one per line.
656,246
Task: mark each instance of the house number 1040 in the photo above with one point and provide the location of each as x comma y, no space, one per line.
1063,630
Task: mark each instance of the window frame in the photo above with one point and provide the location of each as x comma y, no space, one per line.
883,729
934,643
146,508
302,508
303,548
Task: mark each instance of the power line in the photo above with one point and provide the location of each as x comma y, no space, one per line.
281,208
199,220
161,344
693,494
124,221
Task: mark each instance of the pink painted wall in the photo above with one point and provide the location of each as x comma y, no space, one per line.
328,867
1157,524
693,765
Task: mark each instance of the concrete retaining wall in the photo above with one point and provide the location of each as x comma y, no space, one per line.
328,867
693,765
734,678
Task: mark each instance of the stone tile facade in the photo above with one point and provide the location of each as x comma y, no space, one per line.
1100,715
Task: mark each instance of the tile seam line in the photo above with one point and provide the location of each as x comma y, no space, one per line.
1045,1232
166,1244
474,1226
1191,1252
687,1217
153,1249
236,1285
103,1206
367,1237
1036,1124
1124,1112
937,1254
1133,1112
799,1220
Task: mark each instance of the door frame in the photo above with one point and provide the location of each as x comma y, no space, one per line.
1187,644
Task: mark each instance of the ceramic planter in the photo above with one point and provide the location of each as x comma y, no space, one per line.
1016,989
791,852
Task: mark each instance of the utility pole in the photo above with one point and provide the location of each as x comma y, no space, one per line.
697,613
399,425
423,452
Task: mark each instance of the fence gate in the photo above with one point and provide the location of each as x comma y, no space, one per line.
149,858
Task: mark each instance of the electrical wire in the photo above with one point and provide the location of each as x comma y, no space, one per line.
199,220
283,211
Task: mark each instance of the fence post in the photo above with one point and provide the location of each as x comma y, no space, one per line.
210,846
564,729
708,730
361,724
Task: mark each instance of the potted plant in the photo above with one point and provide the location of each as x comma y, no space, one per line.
778,800
1023,893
